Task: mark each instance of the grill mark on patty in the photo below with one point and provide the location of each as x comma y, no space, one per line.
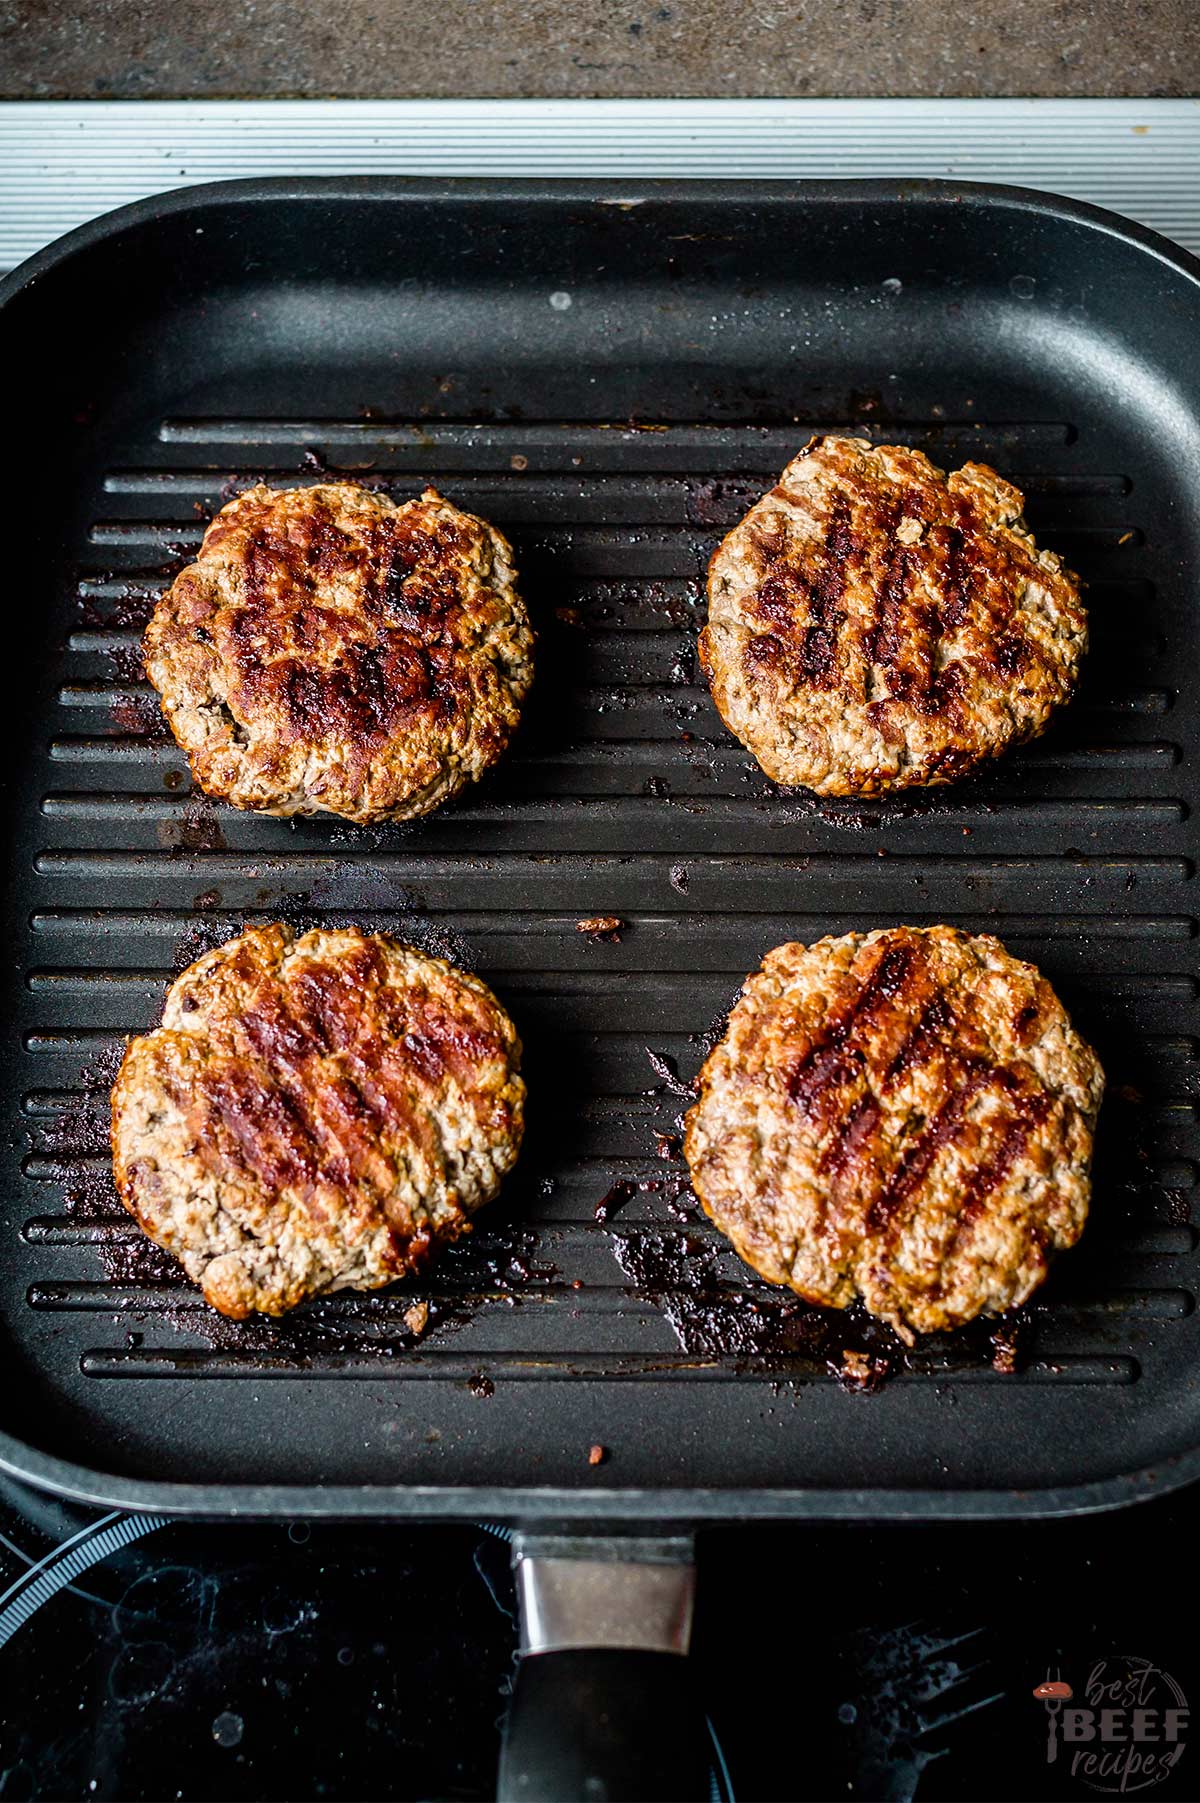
813,647
237,1100
917,1160
962,572
395,596
904,640
841,1059
1011,653
834,1059
319,671
851,1144
340,1122
883,636
441,1047
936,1020
971,581
1027,1021
764,651
283,1056
818,651
1029,1113
415,585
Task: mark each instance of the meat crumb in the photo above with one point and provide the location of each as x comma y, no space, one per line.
1006,1351
481,1385
597,1455
601,926
860,1371
416,1318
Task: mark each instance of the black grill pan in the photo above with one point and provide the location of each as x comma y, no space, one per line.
611,372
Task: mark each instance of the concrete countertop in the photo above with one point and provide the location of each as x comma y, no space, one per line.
143,49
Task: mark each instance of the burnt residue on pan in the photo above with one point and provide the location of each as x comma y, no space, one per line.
349,894
128,610
378,1325
498,1265
500,1256
72,1149
204,935
776,1333
721,501
125,662
668,1075
613,1200
141,717
197,828
72,1146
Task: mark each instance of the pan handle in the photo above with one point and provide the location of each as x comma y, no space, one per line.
602,1709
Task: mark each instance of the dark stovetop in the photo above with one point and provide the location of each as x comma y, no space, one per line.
354,1662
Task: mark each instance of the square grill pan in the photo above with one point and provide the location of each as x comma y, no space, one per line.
612,373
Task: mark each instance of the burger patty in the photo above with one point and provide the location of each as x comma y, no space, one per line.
330,652
314,1114
905,1116
874,624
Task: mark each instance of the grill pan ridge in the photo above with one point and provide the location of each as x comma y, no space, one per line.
612,373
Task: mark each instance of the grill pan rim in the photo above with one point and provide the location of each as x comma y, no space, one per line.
530,1504
87,1484
1036,201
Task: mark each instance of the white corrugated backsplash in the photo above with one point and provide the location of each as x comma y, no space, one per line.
63,162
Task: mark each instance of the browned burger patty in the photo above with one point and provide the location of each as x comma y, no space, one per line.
874,623
314,1114
330,652
904,1116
